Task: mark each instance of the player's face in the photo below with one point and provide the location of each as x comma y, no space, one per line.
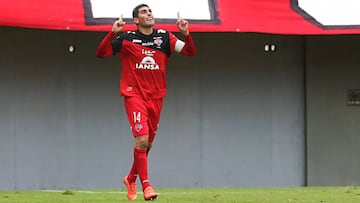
145,17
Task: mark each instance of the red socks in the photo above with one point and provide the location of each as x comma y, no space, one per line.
140,161
132,174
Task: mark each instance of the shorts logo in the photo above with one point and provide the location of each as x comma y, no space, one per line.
138,127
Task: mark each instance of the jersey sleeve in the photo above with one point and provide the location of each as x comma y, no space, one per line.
109,46
186,47
116,44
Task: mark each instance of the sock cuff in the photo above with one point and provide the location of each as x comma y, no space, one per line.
140,153
140,150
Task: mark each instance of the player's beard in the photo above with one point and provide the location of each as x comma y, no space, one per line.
149,23
146,24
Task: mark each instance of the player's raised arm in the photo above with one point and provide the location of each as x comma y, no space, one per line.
183,25
105,49
187,47
118,25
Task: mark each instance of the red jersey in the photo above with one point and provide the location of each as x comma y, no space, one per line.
144,59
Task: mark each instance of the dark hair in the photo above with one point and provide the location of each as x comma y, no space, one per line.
135,12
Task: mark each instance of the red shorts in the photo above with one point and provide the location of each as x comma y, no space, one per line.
143,115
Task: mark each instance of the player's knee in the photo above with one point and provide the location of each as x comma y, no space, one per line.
142,142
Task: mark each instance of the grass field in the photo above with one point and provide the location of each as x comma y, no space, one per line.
193,195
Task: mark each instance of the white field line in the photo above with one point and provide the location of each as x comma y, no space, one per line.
119,192
84,191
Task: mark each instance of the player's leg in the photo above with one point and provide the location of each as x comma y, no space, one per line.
140,165
137,111
131,177
141,162
140,159
137,116
149,192
154,110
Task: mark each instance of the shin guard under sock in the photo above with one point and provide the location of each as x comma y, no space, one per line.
140,160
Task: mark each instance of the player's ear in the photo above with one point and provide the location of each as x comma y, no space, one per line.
136,20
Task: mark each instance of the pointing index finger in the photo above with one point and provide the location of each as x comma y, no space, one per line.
178,15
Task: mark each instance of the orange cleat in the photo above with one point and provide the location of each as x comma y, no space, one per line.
150,194
131,189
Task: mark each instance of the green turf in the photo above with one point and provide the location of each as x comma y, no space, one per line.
193,195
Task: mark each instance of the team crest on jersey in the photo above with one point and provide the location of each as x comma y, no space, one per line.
158,41
138,127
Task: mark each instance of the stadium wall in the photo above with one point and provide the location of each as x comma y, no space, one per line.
333,119
235,115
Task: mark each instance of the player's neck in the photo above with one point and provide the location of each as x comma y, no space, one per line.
146,30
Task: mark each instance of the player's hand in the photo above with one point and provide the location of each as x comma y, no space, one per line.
118,25
183,25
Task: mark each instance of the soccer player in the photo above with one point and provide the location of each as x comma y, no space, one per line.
144,54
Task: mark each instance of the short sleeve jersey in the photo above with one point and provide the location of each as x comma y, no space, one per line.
144,59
